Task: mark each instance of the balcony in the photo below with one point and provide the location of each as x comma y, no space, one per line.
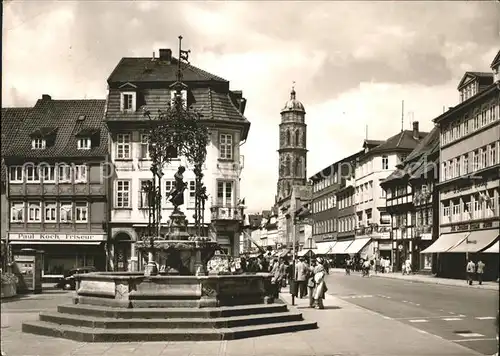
233,213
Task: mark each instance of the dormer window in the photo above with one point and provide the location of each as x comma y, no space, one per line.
128,101
38,143
84,143
183,97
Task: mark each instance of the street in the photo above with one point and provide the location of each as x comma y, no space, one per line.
459,314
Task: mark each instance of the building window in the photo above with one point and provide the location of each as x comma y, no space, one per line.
493,154
385,162
48,174
224,193
16,174
146,185
493,113
144,154
122,194
81,174
169,186
81,212
123,146
17,212
446,214
32,174
226,146
478,206
84,144
66,212
484,157
38,144
475,161
64,173
457,167
50,212
35,212
128,101
456,211
192,194
477,121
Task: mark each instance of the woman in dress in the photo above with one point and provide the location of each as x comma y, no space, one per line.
319,284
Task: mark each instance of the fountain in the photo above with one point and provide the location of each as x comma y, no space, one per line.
180,300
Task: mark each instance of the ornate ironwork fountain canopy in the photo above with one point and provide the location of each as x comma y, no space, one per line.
176,131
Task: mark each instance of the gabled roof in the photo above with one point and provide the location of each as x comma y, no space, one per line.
63,115
484,78
420,160
403,140
12,120
496,60
145,69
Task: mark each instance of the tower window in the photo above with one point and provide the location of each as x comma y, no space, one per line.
298,170
288,137
287,166
297,137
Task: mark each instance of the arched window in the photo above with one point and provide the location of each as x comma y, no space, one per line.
303,140
297,138
288,137
297,169
287,166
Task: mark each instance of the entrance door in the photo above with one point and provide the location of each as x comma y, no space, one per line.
122,252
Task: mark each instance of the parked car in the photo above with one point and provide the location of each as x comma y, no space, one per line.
68,282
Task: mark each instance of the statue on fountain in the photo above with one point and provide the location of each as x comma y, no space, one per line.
177,192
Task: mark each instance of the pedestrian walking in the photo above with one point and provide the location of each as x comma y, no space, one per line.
348,263
470,269
320,288
301,274
480,271
366,269
311,283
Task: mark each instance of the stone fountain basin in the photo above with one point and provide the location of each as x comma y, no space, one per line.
134,290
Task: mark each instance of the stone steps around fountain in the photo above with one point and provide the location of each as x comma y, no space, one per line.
162,313
170,323
85,334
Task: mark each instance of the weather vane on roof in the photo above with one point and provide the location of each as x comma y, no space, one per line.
183,57
293,85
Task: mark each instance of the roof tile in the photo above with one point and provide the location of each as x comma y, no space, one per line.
12,120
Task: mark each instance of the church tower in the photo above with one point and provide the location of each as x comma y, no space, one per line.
292,151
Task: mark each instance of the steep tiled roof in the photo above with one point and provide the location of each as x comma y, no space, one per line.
146,70
420,160
401,141
496,60
63,115
12,120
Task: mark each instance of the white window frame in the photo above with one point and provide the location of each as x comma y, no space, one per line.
36,207
226,200
64,173
226,146
84,143
48,173
143,195
123,146
80,173
385,162
133,99
38,143
81,208
123,189
169,185
17,207
191,193
50,212
492,154
35,176
66,212
144,144
16,174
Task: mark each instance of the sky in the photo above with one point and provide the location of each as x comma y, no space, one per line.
352,62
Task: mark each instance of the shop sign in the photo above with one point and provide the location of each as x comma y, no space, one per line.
426,236
55,237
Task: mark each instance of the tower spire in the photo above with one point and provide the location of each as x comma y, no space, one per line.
292,93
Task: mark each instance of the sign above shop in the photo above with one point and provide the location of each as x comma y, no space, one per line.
470,187
36,236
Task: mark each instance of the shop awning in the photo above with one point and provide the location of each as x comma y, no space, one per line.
341,246
446,242
476,241
357,245
325,248
20,242
493,248
305,252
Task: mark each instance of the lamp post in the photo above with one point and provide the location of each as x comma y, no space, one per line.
293,216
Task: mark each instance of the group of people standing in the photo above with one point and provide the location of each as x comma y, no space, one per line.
474,269
310,281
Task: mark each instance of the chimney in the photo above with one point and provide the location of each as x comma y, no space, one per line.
154,56
46,97
165,54
416,136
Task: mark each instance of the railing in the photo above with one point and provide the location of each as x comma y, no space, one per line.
226,213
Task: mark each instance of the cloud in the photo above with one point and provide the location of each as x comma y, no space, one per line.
353,62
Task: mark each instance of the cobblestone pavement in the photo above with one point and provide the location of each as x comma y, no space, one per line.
344,330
